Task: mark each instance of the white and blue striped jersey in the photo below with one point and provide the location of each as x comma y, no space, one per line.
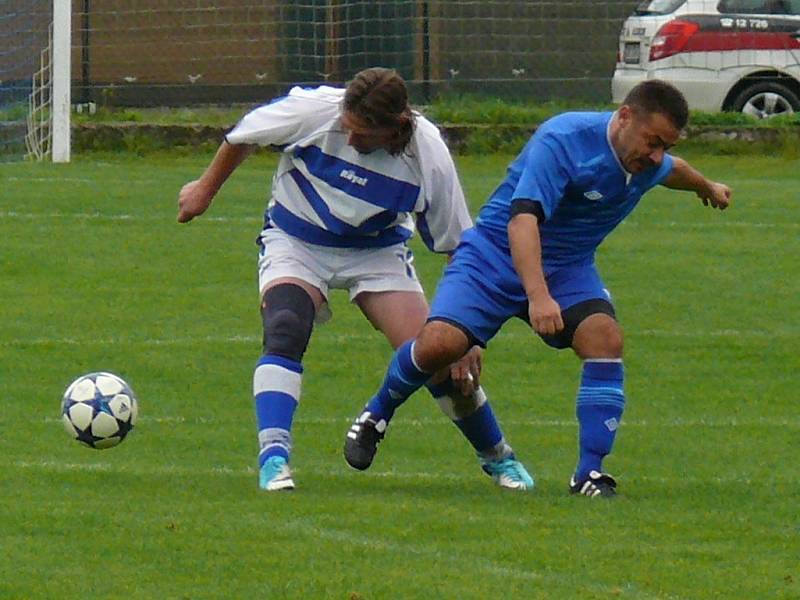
325,192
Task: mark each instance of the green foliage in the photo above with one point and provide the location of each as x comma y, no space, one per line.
14,112
737,119
784,144
140,142
446,110
494,111
208,115
98,275
104,114
481,140
485,125
479,111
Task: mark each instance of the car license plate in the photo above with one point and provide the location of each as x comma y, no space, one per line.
630,54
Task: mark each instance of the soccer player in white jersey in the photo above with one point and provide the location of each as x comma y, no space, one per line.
531,255
358,170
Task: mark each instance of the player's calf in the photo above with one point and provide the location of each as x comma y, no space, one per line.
288,315
474,417
599,408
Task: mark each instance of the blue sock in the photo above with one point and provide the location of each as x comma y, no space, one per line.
474,417
601,401
403,378
276,387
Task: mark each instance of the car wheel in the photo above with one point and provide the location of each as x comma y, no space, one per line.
766,99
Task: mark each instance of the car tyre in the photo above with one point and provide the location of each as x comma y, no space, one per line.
766,99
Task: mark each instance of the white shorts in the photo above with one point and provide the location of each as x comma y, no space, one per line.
357,270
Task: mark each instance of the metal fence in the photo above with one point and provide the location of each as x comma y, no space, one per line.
185,52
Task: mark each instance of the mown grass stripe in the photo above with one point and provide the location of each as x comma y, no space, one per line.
345,337
441,421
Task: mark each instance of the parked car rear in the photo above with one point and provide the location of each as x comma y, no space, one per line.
737,55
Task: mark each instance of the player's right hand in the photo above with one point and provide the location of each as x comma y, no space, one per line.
466,372
545,316
193,200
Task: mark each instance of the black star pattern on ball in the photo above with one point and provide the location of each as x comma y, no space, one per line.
124,428
87,437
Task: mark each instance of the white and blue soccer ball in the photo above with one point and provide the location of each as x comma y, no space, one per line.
99,410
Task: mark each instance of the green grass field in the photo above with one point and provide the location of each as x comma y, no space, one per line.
97,275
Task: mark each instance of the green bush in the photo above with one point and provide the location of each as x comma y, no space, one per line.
484,125
209,115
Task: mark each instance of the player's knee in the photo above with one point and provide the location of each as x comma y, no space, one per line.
615,341
286,333
438,345
287,314
609,337
599,336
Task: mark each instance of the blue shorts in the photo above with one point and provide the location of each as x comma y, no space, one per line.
480,289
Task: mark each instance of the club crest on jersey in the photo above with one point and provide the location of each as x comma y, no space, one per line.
593,195
351,176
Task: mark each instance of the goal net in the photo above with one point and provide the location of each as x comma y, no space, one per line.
23,35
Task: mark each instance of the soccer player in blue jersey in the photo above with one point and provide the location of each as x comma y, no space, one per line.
531,255
358,170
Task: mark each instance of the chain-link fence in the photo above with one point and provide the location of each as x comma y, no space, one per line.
182,52
185,52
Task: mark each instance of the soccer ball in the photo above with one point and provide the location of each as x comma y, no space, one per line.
99,410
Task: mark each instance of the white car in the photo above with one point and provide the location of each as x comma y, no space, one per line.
737,55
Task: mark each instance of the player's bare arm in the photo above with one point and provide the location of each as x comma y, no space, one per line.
526,251
686,177
195,197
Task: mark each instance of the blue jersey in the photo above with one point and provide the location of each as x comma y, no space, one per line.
570,168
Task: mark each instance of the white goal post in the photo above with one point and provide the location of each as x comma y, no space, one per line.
61,81
35,79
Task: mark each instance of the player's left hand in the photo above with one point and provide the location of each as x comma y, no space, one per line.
466,372
718,196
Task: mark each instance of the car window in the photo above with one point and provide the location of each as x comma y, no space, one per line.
658,7
760,7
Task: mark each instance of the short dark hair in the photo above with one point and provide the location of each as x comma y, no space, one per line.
657,96
379,97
